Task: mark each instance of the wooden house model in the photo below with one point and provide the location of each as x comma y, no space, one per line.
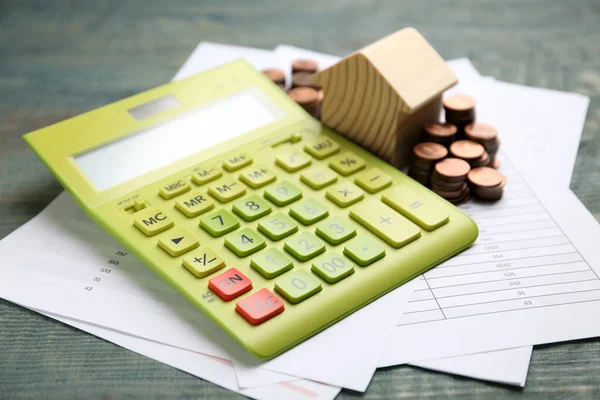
382,95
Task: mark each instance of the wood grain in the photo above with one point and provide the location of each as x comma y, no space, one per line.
62,58
410,75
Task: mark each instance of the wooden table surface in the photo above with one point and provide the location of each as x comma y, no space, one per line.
61,58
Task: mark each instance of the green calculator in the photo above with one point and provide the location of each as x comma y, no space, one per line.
268,222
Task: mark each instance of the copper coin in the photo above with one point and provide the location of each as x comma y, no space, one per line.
481,131
304,66
440,130
430,151
459,102
485,177
466,149
496,163
452,168
304,96
304,79
274,74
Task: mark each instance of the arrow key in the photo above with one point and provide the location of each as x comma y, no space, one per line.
178,241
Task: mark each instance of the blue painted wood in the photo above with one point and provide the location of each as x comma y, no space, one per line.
61,58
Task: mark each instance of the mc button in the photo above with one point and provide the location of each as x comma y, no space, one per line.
230,284
152,221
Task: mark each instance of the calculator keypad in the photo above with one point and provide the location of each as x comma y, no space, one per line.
203,262
277,226
283,193
205,175
245,242
259,307
258,176
178,241
271,263
386,223
332,267
298,286
194,204
304,246
287,235
226,190
152,221
251,208
219,223
308,211
345,194
173,189
230,284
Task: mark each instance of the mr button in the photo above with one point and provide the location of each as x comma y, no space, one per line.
152,221
259,307
230,284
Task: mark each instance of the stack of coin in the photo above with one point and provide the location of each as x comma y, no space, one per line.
437,132
276,75
471,152
487,136
304,79
449,180
460,111
307,98
304,65
425,156
486,183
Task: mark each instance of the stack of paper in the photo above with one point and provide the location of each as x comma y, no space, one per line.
476,315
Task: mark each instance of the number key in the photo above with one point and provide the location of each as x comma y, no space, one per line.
219,223
309,211
277,226
298,286
332,267
271,263
283,193
245,242
336,230
251,208
304,246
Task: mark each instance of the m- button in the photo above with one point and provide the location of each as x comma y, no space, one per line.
230,284
174,188
152,221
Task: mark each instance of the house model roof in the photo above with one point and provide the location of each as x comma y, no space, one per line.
369,93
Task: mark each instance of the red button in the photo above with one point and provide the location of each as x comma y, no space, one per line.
259,307
230,284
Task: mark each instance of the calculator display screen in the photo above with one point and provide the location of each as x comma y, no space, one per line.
134,155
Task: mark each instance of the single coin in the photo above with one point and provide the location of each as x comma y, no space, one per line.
496,163
304,79
274,74
485,177
430,151
321,96
440,130
459,102
452,168
466,149
304,65
304,95
481,131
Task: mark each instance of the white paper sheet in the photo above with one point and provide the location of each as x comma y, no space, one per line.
480,366
74,269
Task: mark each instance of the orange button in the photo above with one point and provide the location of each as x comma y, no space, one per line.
230,284
259,307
